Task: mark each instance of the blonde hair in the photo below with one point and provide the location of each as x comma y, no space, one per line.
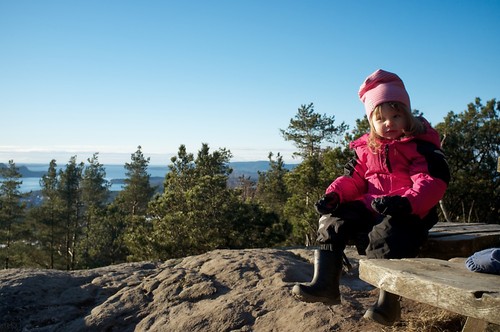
414,125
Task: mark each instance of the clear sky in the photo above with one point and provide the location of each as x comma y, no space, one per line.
78,77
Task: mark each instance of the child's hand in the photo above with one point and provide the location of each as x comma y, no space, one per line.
392,205
327,204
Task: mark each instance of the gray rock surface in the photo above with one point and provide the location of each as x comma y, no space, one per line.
222,290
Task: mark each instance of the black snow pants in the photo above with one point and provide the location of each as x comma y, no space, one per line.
378,236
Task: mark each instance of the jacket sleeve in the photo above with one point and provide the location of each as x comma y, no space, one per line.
352,185
430,175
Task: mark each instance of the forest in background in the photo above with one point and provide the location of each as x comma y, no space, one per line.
79,225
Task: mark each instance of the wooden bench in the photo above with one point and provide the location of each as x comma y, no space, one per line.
440,283
449,240
433,280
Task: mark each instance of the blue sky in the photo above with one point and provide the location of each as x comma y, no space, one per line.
78,77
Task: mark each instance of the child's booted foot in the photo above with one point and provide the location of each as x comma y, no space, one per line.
386,311
324,286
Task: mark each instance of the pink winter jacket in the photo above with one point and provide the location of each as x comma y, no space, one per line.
413,167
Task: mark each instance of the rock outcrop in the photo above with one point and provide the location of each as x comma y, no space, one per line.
222,290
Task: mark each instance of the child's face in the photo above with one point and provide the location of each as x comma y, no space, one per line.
389,123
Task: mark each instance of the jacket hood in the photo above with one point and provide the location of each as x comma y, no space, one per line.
430,135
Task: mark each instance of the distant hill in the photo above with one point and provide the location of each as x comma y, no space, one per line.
25,172
252,168
246,168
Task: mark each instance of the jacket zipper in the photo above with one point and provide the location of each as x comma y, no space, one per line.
387,161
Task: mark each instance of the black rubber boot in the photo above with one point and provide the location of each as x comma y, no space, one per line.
324,286
386,311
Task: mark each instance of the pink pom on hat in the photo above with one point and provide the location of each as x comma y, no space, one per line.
380,87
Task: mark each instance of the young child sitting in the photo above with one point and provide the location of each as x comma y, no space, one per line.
386,200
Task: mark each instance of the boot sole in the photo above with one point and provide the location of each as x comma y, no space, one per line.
379,318
299,294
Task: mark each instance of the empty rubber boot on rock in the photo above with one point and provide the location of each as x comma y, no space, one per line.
324,286
386,311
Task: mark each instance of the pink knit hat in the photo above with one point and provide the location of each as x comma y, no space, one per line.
380,87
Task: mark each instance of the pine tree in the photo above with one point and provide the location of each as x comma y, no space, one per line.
314,135
198,211
272,192
247,188
132,202
48,216
309,130
95,194
471,142
11,210
69,192
137,192
191,216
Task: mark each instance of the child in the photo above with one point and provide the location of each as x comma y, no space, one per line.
386,200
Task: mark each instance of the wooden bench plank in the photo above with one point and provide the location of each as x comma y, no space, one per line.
461,228
443,284
448,240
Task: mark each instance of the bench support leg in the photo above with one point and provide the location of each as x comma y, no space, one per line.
474,325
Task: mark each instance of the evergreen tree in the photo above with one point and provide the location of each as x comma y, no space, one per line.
314,135
272,192
48,216
309,130
362,127
132,203
11,210
471,141
191,216
181,175
108,238
199,212
247,188
69,192
305,188
95,194
166,234
137,191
